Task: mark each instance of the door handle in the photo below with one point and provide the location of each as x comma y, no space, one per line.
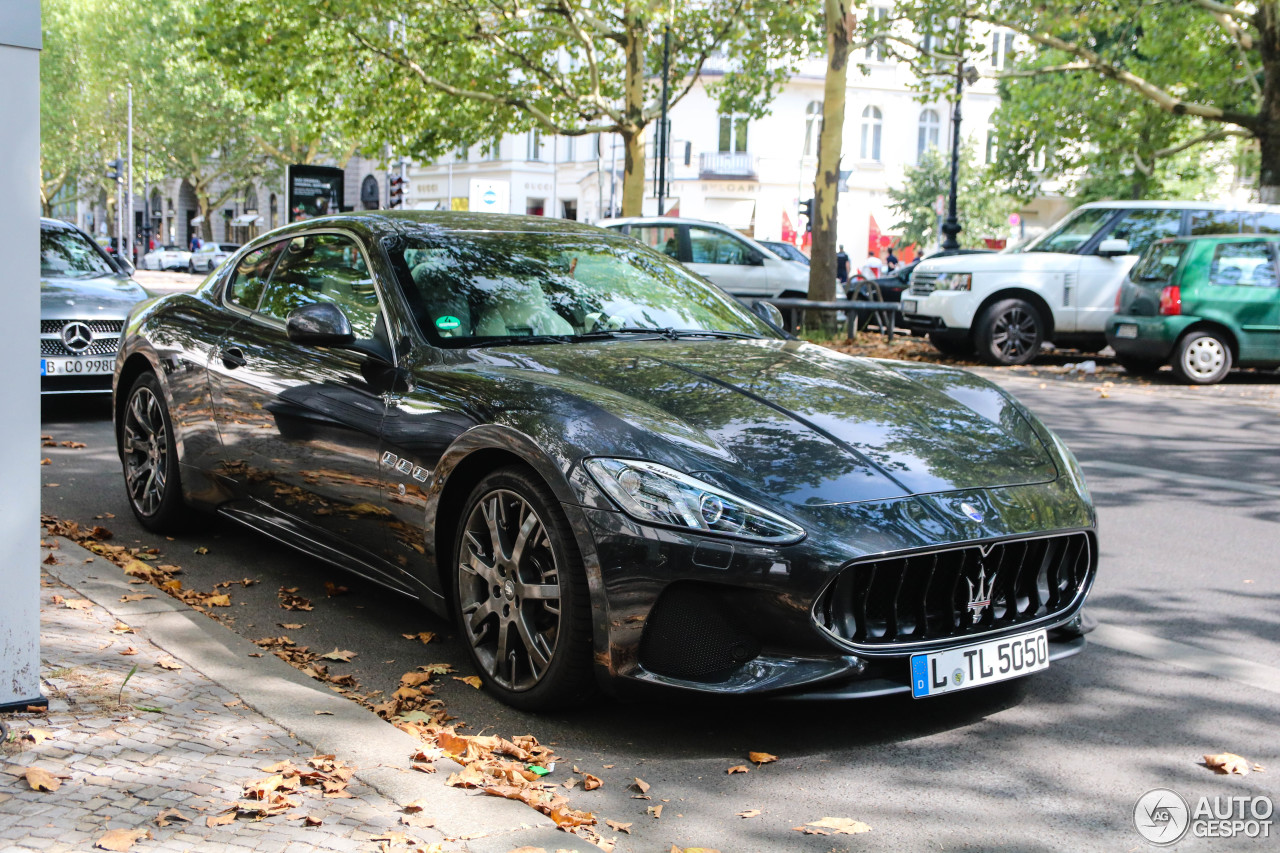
233,357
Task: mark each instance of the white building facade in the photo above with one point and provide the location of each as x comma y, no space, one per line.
750,174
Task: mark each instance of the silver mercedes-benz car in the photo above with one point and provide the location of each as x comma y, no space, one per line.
84,299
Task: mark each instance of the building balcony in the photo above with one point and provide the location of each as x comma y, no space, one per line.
713,165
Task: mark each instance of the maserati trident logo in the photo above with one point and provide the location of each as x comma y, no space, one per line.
980,595
76,336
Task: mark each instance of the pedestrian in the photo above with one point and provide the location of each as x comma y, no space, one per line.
842,266
891,261
872,267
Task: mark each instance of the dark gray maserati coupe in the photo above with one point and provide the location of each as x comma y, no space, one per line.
603,467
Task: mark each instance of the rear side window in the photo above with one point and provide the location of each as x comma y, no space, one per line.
1143,227
1260,223
1242,264
1215,222
715,247
663,238
1158,264
250,277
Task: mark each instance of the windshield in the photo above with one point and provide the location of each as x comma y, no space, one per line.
1073,232
67,254
1158,263
473,289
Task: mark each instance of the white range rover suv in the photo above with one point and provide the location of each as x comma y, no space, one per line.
1060,287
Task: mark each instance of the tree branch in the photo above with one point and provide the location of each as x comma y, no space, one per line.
1228,9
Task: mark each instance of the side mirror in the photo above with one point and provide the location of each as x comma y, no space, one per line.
320,324
769,312
755,259
1113,247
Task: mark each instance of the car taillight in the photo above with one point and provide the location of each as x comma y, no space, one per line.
1117,311
1171,300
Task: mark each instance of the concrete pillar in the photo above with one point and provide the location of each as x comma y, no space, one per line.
20,427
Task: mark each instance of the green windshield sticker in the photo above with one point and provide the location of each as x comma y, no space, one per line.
447,323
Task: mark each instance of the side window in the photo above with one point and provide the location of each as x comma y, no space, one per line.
1143,227
715,247
1260,223
662,238
1215,222
245,286
323,268
1242,264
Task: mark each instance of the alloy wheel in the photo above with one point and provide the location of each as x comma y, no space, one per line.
1204,357
146,451
509,590
1014,333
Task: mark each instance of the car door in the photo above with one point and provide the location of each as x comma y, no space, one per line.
301,424
1241,292
728,261
1090,298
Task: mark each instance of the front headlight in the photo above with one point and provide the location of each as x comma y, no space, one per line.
656,494
953,281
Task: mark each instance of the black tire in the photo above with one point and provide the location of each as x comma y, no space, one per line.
149,455
1010,332
1138,366
956,344
547,663
1202,357
191,268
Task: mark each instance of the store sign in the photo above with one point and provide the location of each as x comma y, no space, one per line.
722,189
489,196
314,191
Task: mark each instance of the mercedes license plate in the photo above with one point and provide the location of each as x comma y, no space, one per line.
76,366
909,306
982,663
1126,330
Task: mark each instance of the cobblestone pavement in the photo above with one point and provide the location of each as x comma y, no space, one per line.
122,765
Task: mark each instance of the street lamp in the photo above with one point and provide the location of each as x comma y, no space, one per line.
951,225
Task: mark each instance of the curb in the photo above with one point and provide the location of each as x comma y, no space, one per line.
290,699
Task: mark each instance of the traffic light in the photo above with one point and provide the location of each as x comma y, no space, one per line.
115,170
395,191
806,210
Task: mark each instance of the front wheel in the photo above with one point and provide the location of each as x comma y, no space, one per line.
149,454
191,268
1202,358
1010,332
520,594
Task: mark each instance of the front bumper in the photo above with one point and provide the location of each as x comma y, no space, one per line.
940,309
731,618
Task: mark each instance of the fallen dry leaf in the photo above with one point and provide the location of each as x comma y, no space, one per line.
640,785
473,680
129,651
424,636
1227,763
121,628
323,713
837,825
135,596
619,826
36,736
223,600
223,819
46,461
761,757
749,813
655,811
164,818
50,560
331,589
168,663
202,550
44,781
121,840
343,655
590,783
290,626
741,768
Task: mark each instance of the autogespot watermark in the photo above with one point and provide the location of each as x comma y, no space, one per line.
1163,817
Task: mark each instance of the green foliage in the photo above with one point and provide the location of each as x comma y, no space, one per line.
982,205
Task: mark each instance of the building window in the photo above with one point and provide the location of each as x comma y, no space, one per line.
871,126
993,145
733,134
878,48
462,155
535,207
1002,52
812,128
535,146
491,150
930,129
568,149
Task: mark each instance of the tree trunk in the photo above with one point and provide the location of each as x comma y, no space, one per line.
822,264
633,131
1267,20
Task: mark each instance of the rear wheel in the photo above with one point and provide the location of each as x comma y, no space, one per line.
520,593
1202,358
149,454
1010,332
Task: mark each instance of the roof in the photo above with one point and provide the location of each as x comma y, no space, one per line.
650,220
1185,205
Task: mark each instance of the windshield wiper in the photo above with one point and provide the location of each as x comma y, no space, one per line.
671,334
710,333
509,340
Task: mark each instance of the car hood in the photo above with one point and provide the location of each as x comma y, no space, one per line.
793,421
999,262
85,298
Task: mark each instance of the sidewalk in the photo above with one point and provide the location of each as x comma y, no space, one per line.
202,728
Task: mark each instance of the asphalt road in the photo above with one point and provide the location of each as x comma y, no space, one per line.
1189,494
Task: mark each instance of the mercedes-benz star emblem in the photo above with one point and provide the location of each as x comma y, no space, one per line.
76,336
972,511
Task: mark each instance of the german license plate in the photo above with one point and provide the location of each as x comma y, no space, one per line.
909,306
76,366
1126,330
982,663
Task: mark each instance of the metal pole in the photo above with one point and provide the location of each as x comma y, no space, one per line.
664,130
449,201
599,180
554,207
613,172
951,227
133,236
119,209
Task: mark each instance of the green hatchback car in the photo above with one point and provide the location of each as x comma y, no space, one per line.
1201,305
